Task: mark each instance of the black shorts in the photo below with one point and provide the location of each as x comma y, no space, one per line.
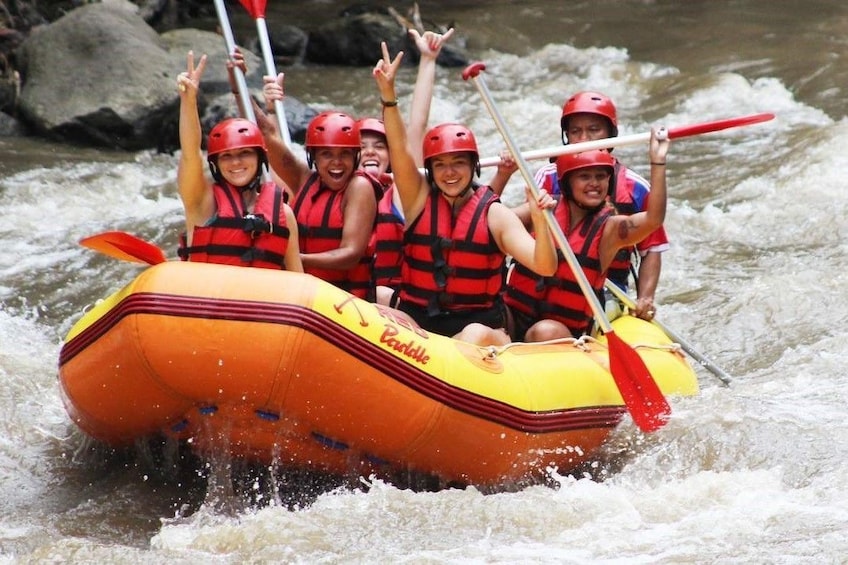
451,323
518,323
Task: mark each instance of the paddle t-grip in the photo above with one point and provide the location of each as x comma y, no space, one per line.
472,70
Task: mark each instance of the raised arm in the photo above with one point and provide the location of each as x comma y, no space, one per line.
292,171
537,254
429,46
193,186
622,231
411,185
506,167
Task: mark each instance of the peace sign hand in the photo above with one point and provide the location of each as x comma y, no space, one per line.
188,81
385,72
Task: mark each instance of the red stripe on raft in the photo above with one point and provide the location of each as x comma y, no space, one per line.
365,351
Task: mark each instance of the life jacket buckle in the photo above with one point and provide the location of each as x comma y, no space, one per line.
256,224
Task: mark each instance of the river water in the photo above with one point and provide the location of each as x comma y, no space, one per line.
754,472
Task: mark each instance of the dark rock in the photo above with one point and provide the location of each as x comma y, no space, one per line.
10,127
288,44
355,40
100,74
83,79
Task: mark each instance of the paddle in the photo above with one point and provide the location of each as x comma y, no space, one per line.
706,363
256,9
241,83
642,397
636,138
125,247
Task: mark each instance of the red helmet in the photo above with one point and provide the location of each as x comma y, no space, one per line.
449,138
590,103
234,133
372,124
596,158
332,129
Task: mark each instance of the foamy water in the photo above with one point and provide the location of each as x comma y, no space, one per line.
755,280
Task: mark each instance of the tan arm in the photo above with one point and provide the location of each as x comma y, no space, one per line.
193,186
293,171
623,231
429,45
411,185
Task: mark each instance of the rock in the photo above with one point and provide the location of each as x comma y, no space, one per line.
288,44
214,81
355,40
10,127
83,78
215,84
101,75
119,97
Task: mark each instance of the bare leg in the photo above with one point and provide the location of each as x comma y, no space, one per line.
480,334
545,330
384,295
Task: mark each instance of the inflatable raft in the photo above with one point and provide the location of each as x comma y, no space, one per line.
286,369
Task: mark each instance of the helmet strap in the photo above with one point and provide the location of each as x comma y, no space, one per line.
253,185
216,172
428,174
461,196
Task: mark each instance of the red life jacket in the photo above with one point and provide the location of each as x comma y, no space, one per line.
559,297
452,264
320,220
621,195
234,237
388,240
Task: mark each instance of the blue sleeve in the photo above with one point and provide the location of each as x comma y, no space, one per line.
641,190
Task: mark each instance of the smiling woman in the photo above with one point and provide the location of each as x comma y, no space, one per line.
239,167
749,249
237,219
458,233
335,204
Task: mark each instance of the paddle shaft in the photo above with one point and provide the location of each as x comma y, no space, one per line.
271,70
241,83
635,139
704,361
641,395
554,227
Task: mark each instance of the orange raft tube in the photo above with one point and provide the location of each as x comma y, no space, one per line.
286,369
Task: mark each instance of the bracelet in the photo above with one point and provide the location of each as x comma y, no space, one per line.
658,164
388,103
234,92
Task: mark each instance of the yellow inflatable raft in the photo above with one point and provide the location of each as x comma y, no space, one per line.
284,368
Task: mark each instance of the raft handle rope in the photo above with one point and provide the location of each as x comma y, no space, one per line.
491,352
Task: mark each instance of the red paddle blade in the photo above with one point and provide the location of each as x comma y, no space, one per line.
642,397
706,127
125,247
256,8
